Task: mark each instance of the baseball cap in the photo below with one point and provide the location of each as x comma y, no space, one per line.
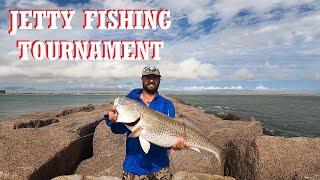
149,70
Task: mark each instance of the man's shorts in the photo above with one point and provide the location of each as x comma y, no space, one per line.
162,174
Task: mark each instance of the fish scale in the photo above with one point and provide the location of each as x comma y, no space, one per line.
160,129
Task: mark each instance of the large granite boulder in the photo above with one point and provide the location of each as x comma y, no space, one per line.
270,157
108,154
46,145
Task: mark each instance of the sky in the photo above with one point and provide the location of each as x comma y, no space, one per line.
211,45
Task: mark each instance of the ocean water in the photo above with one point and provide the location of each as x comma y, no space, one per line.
279,114
11,105
283,115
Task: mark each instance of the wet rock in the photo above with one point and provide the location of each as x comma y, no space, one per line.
231,117
35,123
66,112
268,132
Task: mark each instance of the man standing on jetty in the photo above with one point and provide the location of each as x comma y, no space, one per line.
137,164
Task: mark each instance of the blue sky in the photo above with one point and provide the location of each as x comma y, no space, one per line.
230,44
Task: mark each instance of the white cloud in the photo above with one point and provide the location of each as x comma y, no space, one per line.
316,76
236,87
243,73
188,69
228,9
259,51
198,15
224,9
261,87
269,65
35,4
235,46
205,88
123,4
186,8
97,71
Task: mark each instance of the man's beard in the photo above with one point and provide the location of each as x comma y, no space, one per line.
150,90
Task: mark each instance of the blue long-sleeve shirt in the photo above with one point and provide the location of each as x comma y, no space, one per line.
136,161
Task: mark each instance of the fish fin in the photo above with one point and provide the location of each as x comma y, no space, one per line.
196,149
136,132
144,144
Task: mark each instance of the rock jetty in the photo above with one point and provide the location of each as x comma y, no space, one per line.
76,142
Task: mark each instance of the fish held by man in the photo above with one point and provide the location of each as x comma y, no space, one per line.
159,129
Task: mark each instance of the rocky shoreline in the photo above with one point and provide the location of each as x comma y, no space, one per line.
233,117
76,142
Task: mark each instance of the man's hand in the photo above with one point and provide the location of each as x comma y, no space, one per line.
179,144
113,114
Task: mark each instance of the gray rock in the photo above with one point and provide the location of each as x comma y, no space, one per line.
47,151
108,154
271,157
35,123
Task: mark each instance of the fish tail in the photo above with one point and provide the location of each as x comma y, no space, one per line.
220,154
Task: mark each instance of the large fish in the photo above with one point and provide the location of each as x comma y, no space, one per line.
159,129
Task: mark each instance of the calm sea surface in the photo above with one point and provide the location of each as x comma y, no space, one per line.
11,105
278,114
284,115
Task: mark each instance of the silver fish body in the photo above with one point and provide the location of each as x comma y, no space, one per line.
159,129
